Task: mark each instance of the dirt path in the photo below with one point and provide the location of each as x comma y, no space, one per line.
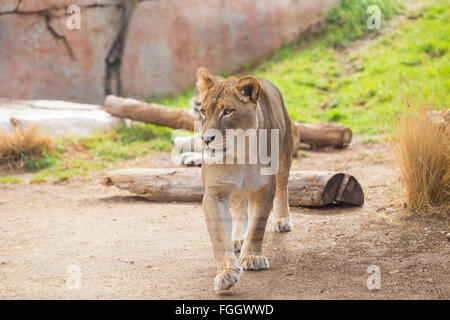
129,248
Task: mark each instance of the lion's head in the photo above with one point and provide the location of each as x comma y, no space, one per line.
226,104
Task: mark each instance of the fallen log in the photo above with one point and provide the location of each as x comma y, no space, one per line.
324,134
149,112
316,135
309,188
306,188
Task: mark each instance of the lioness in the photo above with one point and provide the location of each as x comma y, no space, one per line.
245,103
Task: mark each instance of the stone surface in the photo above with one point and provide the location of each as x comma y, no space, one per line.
55,118
37,5
40,58
8,5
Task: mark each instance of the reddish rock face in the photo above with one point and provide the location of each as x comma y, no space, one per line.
40,58
38,5
8,5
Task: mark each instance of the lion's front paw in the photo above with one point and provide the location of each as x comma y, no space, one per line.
227,278
254,262
237,245
282,225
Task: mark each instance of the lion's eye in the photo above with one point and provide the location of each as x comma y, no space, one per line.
203,111
227,111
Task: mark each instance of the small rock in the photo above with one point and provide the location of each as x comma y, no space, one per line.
448,236
394,271
130,262
430,281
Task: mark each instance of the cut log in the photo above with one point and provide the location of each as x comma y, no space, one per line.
306,188
350,191
311,188
324,134
149,112
160,185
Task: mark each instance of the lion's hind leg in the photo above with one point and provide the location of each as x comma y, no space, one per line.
281,219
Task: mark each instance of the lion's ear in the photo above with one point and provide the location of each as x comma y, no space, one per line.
247,88
204,80
201,71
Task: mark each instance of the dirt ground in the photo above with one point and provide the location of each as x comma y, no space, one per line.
129,248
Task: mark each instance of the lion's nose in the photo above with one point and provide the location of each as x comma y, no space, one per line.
208,139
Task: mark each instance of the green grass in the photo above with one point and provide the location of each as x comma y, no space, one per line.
9,180
365,90
348,20
77,156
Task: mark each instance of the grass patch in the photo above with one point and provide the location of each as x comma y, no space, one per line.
348,20
9,180
25,148
366,90
423,152
77,156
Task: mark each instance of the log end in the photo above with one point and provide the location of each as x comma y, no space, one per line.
350,192
331,189
346,137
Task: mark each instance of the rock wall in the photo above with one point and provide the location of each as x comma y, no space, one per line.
137,48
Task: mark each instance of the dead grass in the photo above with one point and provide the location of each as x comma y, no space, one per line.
423,152
20,146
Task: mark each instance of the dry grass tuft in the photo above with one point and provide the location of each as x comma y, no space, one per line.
21,145
423,152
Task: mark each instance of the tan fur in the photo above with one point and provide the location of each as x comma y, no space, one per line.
238,198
